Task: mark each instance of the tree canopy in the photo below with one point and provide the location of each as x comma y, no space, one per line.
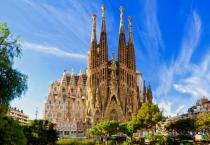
203,121
12,82
128,128
148,115
11,132
12,85
40,132
181,126
105,128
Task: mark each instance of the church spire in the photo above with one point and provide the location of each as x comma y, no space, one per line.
64,79
149,94
122,50
93,45
103,26
131,53
93,36
122,20
103,52
144,92
130,36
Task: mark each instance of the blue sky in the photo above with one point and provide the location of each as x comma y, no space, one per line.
171,44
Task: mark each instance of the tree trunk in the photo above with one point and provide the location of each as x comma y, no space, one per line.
106,141
131,139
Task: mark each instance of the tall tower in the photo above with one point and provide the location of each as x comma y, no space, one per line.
98,75
93,44
122,52
131,53
103,39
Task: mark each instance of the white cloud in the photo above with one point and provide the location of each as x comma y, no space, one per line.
166,108
74,17
181,65
197,83
181,76
151,34
52,50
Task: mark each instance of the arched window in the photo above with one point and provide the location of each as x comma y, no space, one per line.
114,99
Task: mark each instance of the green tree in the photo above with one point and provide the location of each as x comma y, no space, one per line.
12,82
203,122
129,128
148,115
105,129
181,126
12,85
11,132
39,132
184,125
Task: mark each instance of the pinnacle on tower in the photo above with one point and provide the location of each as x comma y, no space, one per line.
121,20
130,36
144,92
103,51
122,50
64,72
131,53
72,72
103,27
93,45
80,72
72,80
93,36
64,76
149,93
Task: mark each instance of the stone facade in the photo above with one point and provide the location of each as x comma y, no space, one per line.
110,89
65,104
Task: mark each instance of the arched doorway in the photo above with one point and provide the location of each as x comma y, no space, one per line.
113,115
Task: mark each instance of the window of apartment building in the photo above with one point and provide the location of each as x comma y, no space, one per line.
49,114
66,132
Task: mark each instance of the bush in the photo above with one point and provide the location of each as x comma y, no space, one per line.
72,141
185,137
159,139
126,143
87,142
141,140
11,132
40,132
138,140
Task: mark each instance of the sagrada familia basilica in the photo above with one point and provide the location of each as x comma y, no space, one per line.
109,89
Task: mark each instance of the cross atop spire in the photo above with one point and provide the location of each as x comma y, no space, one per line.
93,36
121,19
